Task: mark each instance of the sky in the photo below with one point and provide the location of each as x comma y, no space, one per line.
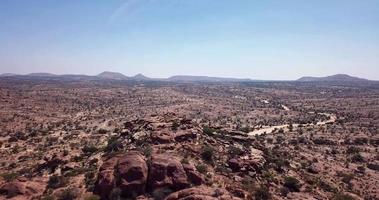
258,39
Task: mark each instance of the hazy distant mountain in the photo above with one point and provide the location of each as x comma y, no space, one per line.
336,78
42,74
178,78
140,77
112,75
7,74
204,79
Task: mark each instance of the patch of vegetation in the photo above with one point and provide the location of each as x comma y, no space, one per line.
245,129
10,176
235,151
202,168
323,141
207,153
89,179
327,187
114,145
89,149
269,176
68,194
248,184
56,182
356,158
175,125
352,150
292,184
208,131
147,151
102,131
262,193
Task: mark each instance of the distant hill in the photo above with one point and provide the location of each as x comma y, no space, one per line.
7,74
112,75
42,74
107,75
183,78
140,77
333,78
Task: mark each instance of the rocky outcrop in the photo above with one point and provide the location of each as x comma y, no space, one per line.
21,189
166,171
182,136
130,173
202,193
193,176
51,164
253,162
127,172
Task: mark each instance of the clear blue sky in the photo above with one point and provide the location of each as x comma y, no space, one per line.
260,39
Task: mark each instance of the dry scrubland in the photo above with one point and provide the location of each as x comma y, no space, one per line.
156,140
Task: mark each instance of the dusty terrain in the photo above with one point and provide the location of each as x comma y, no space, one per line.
159,140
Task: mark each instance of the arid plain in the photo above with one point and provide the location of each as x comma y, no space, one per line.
113,139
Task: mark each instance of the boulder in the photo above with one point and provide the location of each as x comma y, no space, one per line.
105,179
166,171
182,136
235,164
24,189
161,137
131,171
193,176
127,172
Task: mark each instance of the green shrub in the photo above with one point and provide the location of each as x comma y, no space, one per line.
235,151
262,193
175,125
10,176
207,153
326,186
292,184
357,158
114,144
245,129
352,150
208,131
89,149
202,168
68,194
56,182
147,151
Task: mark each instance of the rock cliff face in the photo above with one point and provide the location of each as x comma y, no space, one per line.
130,174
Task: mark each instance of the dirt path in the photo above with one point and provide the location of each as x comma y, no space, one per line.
270,129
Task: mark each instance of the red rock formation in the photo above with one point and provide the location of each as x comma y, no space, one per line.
202,193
